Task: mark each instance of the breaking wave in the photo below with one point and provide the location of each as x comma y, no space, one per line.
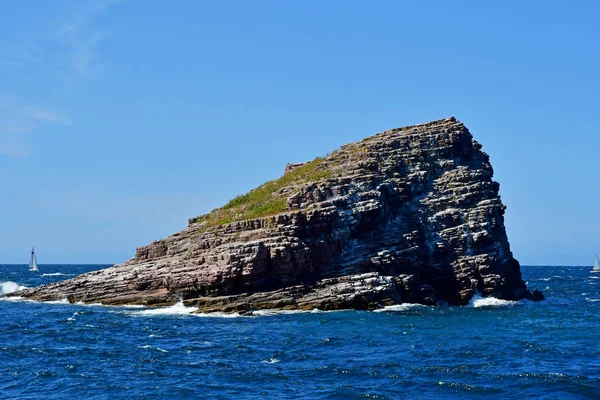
81,303
272,313
490,302
10,287
176,309
402,307
61,301
54,274
218,315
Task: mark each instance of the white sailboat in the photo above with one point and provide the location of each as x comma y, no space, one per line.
596,265
33,261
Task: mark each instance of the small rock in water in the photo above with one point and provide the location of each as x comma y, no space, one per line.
536,295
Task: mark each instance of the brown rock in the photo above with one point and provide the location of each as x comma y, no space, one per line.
407,215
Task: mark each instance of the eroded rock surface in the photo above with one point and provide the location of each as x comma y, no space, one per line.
408,215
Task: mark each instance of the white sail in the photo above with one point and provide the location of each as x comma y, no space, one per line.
596,265
33,261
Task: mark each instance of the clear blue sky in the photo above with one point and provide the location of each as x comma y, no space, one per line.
119,120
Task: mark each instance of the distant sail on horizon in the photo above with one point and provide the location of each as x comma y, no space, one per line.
596,265
33,266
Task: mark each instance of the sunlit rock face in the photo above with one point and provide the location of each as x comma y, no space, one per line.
407,215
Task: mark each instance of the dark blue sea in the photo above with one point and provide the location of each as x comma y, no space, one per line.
489,349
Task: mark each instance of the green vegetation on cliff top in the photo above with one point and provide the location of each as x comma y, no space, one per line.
266,199
269,199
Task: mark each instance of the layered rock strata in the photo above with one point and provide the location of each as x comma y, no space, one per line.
407,215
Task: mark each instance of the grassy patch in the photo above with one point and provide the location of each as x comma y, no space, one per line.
356,148
266,199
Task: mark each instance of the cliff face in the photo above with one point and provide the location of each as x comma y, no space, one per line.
407,215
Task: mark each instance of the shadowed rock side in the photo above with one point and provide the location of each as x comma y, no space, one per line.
407,215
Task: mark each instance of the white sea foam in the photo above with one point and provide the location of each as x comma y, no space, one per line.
54,274
10,287
402,307
271,360
592,300
81,303
555,277
177,309
218,315
272,313
61,301
490,302
72,318
275,312
147,346
16,298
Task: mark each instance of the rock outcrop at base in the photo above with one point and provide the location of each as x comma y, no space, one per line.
407,215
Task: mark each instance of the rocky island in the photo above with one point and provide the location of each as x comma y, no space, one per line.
409,215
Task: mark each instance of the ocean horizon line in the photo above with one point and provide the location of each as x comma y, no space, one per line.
95,263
